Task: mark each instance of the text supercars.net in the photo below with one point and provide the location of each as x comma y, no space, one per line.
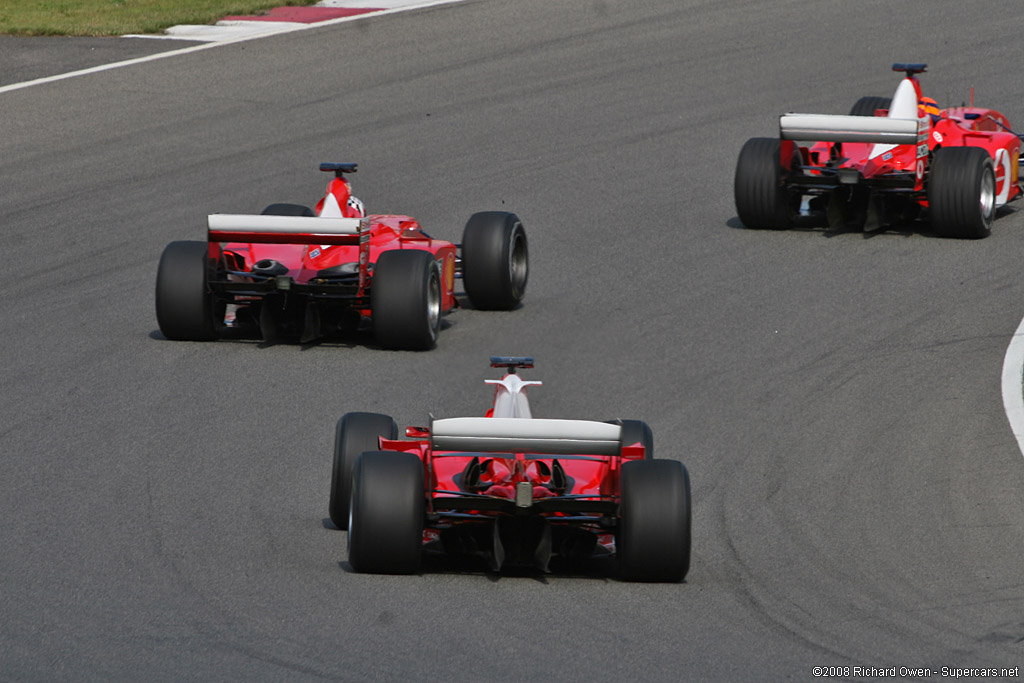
915,672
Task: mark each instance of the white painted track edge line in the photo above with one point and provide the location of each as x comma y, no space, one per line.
208,45
1013,385
108,67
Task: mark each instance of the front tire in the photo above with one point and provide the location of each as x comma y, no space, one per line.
354,434
653,536
962,192
405,300
186,309
385,534
495,260
762,199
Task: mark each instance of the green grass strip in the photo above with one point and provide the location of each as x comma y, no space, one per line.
117,17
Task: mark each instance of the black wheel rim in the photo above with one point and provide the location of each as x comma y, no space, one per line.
518,265
987,195
434,303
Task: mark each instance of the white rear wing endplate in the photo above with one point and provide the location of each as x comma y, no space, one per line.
227,227
836,128
518,435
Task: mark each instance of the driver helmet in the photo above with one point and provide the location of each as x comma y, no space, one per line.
927,105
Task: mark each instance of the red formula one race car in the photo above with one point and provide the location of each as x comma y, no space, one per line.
511,488
891,161
292,273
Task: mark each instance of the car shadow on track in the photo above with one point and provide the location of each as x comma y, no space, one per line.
810,224
817,224
346,339
466,305
597,568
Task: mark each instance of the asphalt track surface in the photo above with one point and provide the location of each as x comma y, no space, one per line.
836,396
28,58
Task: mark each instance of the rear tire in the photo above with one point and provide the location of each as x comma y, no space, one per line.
495,260
354,434
385,534
653,537
962,192
405,298
867,105
762,200
186,309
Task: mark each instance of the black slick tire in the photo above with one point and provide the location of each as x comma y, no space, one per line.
961,192
185,308
405,300
495,260
653,535
354,434
762,200
867,105
385,534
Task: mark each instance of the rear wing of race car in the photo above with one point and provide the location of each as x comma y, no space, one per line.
225,227
836,128
519,435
